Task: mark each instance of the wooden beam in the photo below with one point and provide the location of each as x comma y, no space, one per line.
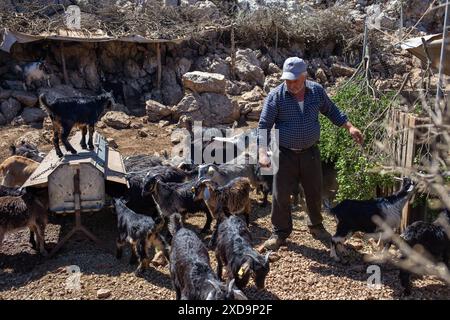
63,62
158,60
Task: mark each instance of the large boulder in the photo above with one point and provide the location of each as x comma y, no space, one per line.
200,82
271,82
171,91
339,70
156,111
248,67
32,115
116,120
10,109
256,94
28,99
212,108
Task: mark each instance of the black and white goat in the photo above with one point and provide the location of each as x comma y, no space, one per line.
141,232
235,252
68,112
190,268
358,215
431,237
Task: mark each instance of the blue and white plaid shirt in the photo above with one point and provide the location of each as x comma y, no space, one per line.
297,129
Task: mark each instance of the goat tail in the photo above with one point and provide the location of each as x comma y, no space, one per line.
43,102
176,223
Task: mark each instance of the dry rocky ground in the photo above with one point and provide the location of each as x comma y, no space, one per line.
304,270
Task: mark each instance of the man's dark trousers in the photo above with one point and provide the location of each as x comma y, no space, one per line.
294,166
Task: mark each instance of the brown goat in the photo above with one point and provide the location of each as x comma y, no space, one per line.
16,170
232,197
28,210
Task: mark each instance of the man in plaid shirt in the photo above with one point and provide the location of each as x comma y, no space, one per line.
293,107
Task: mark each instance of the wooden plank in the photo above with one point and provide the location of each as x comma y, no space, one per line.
158,60
63,62
399,120
411,142
405,133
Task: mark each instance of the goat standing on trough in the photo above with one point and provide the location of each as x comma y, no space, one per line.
431,237
234,250
176,197
16,170
141,232
190,268
68,112
27,210
357,215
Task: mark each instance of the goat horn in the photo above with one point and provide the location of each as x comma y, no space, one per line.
266,258
230,285
215,285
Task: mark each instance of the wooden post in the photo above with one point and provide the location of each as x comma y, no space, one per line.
158,59
63,61
233,53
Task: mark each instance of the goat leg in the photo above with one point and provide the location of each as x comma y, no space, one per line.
32,238
64,135
56,144
119,248
219,267
207,225
83,137
40,234
133,256
91,137
333,251
405,281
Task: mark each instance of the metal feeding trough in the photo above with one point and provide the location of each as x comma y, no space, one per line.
78,183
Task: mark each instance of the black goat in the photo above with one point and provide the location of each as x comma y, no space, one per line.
138,179
357,215
431,237
27,210
190,268
176,197
68,112
142,232
234,250
27,150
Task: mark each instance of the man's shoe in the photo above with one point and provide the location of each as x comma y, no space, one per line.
274,243
319,232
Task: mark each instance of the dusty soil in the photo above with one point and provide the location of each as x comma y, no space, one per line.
304,270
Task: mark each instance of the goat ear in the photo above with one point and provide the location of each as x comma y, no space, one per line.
266,258
206,194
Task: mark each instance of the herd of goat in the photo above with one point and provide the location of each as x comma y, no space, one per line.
162,191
